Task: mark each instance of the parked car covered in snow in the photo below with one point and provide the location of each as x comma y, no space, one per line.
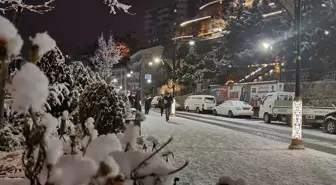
233,108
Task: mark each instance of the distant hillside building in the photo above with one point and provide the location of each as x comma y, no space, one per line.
159,22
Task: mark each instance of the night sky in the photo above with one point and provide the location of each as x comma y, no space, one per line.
75,23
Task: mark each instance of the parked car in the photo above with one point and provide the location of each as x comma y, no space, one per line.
233,108
155,102
329,122
200,103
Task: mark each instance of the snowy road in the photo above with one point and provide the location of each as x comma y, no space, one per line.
313,138
214,151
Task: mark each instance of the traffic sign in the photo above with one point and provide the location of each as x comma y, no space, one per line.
148,76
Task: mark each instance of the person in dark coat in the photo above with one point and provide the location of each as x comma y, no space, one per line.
138,100
148,102
161,104
168,101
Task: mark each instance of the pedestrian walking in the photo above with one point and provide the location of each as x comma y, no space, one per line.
148,102
168,101
161,104
138,100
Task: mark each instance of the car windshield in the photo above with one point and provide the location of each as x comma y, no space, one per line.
209,100
240,103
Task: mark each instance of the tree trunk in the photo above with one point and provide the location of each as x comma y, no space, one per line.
4,72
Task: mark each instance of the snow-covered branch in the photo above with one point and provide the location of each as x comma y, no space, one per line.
7,5
114,4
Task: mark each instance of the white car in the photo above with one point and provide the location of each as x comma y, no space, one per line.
155,102
233,108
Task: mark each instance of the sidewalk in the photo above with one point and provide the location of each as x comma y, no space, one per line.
214,151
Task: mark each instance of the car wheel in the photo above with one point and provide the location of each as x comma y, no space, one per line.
230,114
198,110
331,126
267,118
214,112
187,109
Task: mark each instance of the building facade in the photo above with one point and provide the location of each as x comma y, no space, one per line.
160,22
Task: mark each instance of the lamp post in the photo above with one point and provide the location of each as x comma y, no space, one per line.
294,10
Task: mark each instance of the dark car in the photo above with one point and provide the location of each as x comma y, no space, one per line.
329,122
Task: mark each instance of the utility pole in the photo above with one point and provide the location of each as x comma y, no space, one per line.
297,142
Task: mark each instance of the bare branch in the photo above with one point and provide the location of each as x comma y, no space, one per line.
19,4
113,4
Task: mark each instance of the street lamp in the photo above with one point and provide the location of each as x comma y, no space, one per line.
150,63
266,45
294,10
128,75
149,81
326,32
191,43
115,80
131,72
120,87
157,60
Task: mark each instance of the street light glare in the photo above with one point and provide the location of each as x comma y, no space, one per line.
157,60
131,72
120,87
128,75
150,63
115,80
149,81
191,42
326,32
266,45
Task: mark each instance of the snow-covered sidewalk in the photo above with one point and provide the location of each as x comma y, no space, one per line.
214,151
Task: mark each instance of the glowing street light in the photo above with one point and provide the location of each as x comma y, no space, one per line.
131,72
326,32
266,45
191,42
120,87
150,63
128,75
115,80
149,81
157,60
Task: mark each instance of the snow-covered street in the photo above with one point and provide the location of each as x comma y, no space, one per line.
214,151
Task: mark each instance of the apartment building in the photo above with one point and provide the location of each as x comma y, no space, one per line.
160,22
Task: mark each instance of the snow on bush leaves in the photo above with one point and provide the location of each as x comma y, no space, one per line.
101,102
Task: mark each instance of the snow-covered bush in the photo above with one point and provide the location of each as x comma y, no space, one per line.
101,102
10,137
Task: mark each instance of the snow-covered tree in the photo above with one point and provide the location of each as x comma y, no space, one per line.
192,69
106,55
102,102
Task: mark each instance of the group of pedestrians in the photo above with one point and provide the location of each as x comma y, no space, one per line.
164,102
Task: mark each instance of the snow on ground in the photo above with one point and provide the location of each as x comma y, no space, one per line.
277,125
10,164
326,140
214,151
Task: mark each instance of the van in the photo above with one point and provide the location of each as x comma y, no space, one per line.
200,103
